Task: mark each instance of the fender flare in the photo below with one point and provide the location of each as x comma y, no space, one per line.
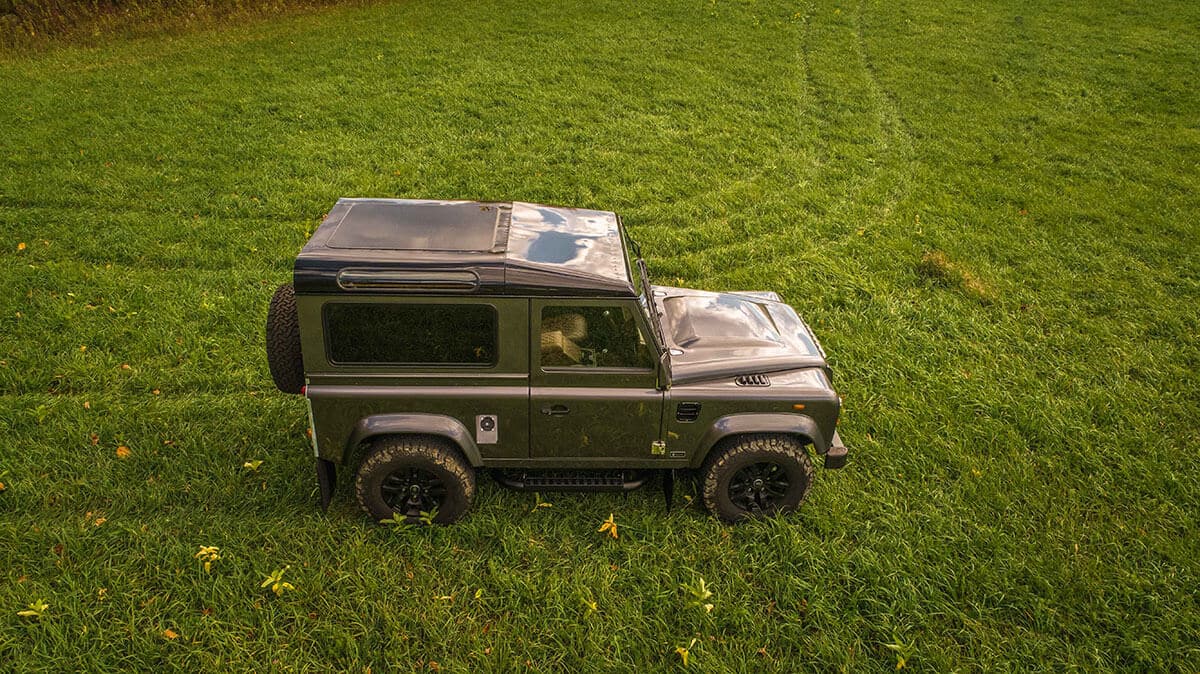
741,424
416,424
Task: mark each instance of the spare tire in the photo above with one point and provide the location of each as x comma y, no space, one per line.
283,341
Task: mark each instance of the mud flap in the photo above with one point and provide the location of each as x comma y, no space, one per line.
836,456
326,479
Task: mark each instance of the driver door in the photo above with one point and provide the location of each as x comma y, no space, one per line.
593,382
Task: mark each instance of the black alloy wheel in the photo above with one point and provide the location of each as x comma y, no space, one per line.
756,475
418,479
413,491
760,487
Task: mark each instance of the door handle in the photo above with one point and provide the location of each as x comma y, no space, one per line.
556,410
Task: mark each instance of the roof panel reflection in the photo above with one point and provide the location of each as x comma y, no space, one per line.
586,242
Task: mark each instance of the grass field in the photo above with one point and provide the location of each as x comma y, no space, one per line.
988,213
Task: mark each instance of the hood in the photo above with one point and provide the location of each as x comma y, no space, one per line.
715,335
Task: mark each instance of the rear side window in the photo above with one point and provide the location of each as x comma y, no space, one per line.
410,334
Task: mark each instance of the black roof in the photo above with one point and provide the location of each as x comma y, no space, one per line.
411,245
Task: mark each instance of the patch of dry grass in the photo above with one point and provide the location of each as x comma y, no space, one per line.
38,24
937,266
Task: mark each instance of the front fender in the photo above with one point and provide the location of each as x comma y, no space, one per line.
740,424
417,424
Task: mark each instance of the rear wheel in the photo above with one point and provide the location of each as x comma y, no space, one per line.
415,479
756,476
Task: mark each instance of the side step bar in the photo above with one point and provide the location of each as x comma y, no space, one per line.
573,480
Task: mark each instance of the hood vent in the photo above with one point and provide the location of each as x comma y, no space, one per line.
687,412
752,380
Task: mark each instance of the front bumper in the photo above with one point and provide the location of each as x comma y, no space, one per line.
836,456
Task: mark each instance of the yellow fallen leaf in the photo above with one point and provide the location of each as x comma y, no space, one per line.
252,465
36,610
123,452
609,525
125,366
170,634
100,520
539,503
208,554
21,246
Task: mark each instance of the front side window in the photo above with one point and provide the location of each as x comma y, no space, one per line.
593,336
410,334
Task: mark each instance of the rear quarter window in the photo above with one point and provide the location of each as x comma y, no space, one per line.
386,333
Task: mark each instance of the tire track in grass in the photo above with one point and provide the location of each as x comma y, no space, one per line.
898,135
874,184
847,145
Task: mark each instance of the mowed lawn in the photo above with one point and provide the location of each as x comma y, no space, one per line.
988,214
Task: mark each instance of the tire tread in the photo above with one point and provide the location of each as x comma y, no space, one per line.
283,341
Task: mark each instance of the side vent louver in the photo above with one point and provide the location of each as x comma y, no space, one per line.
687,412
752,380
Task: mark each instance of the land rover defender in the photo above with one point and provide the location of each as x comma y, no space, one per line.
432,339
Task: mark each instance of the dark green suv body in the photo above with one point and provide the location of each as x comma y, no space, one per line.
444,337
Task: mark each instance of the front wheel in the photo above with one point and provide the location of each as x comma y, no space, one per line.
415,479
756,476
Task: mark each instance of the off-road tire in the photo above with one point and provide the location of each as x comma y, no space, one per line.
746,452
283,341
402,454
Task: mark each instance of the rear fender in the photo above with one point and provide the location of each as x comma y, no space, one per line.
416,424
